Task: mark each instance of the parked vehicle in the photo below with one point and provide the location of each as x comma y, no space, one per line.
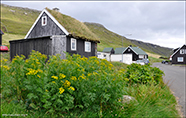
143,62
165,62
146,61
140,62
3,48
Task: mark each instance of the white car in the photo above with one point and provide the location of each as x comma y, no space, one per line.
140,62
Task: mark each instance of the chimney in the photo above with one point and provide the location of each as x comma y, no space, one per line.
56,9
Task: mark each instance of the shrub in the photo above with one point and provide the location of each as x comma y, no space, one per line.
58,86
143,74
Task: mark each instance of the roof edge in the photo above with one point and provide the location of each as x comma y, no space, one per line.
177,50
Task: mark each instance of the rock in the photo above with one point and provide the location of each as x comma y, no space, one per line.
127,99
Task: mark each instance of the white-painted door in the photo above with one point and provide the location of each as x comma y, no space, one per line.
127,58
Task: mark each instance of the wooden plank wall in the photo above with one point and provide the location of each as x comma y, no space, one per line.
59,45
25,46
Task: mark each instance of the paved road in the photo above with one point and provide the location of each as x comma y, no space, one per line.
175,77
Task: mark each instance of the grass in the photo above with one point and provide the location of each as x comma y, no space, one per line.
153,59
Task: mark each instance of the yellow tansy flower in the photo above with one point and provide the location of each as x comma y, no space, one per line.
61,90
72,88
53,82
55,77
39,76
61,76
67,83
73,78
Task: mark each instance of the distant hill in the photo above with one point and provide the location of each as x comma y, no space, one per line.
16,22
111,39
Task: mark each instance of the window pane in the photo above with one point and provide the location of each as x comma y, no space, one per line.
180,59
182,51
87,46
73,44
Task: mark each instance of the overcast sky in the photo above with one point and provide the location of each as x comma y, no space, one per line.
161,23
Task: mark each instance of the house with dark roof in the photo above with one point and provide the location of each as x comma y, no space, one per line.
128,54
55,33
179,55
106,54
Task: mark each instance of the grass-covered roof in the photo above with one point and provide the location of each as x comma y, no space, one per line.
76,28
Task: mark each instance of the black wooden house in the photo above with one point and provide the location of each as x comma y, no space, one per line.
1,33
54,33
179,55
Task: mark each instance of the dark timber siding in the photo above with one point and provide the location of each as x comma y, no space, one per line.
134,55
25,46
48,30
80,48
176,55
0,39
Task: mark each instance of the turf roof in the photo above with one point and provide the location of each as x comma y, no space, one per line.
76,28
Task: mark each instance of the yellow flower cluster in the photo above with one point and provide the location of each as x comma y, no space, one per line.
71,88
32,72
61,76
39,76
53,82
89,74
82,76
73,78
61,90
6,67
55,77
5,60
66,84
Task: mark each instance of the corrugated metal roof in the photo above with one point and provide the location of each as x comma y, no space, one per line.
138,51
119,50
107,49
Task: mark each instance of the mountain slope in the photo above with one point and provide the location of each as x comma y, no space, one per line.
16,22
110,39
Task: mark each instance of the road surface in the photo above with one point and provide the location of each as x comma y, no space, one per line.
175,77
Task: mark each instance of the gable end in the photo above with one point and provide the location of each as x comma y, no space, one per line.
49,29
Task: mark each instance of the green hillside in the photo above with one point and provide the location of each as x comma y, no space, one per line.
16,22
110,39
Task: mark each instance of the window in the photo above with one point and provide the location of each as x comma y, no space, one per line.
73,44
129,50
87,46
104,55
180,59
44,20
183,51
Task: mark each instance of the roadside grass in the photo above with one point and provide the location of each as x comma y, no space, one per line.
153,59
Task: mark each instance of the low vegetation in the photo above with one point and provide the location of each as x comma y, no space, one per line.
78,87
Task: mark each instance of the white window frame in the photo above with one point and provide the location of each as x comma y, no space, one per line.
73,41
182,51
180,59
44,17
87,46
